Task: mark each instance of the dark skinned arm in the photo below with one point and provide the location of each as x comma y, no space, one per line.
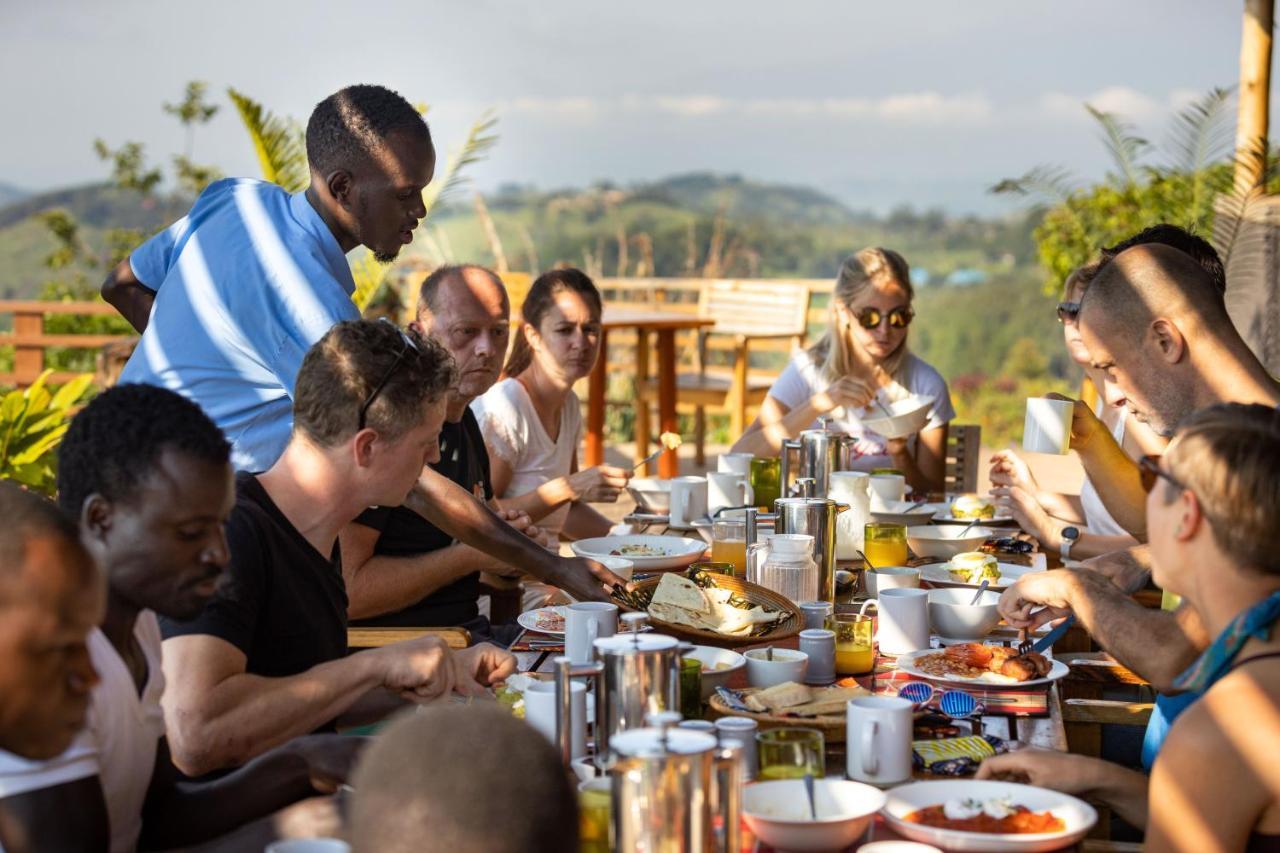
130,297
70,818
457,512
178,813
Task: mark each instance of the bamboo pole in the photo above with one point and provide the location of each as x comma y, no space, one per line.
1255,90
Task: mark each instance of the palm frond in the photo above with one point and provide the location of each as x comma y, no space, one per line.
1200,134
1236,242
480,139
1052,184
278,142
1122,144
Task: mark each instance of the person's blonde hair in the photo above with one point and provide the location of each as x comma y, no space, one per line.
1228,455
871,267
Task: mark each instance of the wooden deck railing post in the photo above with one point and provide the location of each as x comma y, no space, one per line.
28,358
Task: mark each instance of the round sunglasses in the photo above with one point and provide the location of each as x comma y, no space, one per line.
899,318
1068,312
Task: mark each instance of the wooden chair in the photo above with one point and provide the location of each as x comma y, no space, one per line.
964,442
744,312
376,638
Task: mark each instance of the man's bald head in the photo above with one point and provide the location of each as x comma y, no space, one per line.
462,779
466,309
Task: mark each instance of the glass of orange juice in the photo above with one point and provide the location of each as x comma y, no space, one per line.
885,544
729,544
855,650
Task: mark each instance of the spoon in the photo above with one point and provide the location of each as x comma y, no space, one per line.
808,789
768,653
981,589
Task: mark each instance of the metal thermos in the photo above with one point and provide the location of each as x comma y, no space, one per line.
816,517
821,451
674,790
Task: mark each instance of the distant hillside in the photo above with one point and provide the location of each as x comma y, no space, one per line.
9,193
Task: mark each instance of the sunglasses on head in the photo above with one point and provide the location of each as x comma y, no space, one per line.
406,345
899,318
1149,471
1068,312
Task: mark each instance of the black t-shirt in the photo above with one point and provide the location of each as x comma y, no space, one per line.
405,533
284,603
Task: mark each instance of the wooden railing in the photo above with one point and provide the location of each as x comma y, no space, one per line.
29,339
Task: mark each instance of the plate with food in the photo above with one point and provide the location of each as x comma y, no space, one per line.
968,507
650,553
713,609
544,620
1005,817
971,664
971,568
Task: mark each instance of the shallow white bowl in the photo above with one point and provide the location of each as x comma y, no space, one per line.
710,656
620,566
945,540
895,512
1077,815
908,418
652,494
778,813
787,665
678,551
952,616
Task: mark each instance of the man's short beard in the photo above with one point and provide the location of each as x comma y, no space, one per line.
385,257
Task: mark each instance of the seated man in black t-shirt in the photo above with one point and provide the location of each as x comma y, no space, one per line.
266,661
402,570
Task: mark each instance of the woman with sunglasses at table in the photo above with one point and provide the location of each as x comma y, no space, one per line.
1213,507
863,356
1090,530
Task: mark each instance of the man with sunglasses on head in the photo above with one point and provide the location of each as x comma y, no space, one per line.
1155,323
267,659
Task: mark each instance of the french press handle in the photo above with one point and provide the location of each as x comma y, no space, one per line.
566,671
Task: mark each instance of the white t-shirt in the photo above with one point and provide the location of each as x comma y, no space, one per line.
514,434
118,744
802,379
1096,517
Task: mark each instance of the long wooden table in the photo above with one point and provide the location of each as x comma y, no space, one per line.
665,324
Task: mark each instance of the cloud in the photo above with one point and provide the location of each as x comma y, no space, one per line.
913,108
1128,104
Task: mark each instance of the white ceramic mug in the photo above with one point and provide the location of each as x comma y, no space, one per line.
726,489
878,740
584,623
887,488
308,845
688,501
890,577
903,623
1048,426
540,712
735,463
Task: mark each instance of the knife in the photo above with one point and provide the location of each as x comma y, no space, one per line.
1053,636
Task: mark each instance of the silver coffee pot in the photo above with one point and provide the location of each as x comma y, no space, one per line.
674,790
636,674
819,452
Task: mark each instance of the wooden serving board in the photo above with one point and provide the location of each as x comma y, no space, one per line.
832,726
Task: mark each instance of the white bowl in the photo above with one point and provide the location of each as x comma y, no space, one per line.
908,418
620,566
1078,816
678,552
778,813
890,577
895,512
945,540
787,665
710,656
652,494
953,617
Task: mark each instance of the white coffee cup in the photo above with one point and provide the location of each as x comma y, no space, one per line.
903,624
887,488
540,712
309,845
878,740
584,623
1048,426
728,489
688,501
735,463
890,577
787,665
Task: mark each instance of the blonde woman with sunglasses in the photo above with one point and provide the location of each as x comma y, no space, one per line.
863,356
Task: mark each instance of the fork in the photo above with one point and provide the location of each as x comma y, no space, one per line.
1024,645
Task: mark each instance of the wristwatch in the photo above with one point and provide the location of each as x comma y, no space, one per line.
1069,536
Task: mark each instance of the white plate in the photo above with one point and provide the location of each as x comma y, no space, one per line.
678,552
893,512
944,516
906,663
937,575
1077,815
529,620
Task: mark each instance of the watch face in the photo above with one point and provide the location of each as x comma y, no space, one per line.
1070,533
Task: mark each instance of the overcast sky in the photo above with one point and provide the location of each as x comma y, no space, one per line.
878,103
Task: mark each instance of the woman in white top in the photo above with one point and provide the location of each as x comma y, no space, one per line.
1045,514
532,421
863,355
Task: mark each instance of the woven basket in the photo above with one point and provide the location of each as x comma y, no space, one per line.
790,624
